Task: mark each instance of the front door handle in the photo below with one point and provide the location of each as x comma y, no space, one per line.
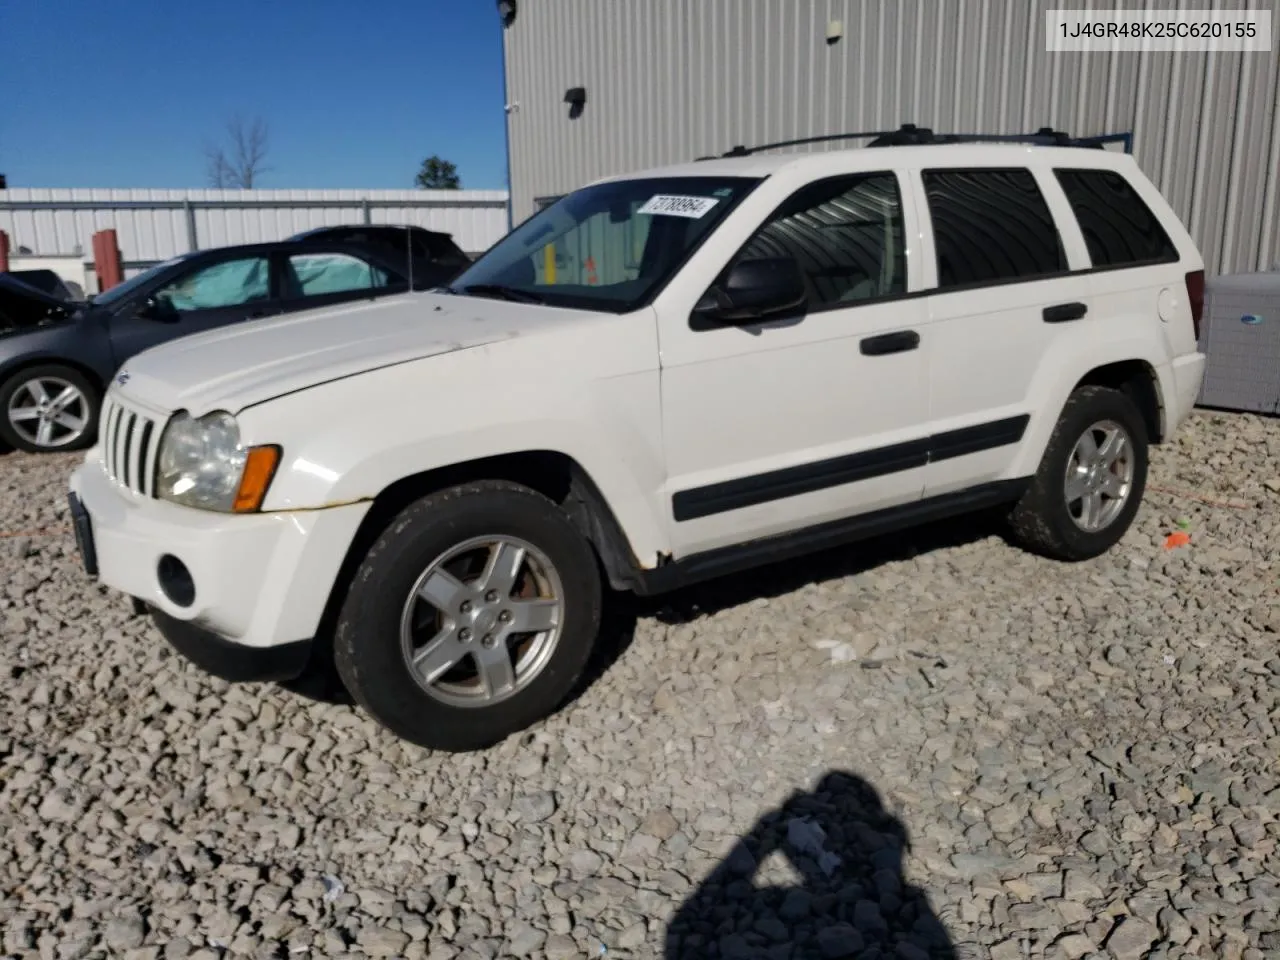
1064,312
887,343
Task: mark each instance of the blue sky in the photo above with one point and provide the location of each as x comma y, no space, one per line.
356,93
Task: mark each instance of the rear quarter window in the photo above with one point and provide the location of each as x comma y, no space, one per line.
1119,229
991,226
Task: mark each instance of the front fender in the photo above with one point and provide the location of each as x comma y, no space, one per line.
350,440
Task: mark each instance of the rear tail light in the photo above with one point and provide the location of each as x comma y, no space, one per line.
1195,296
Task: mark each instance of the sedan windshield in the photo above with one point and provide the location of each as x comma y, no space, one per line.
612,246
122,290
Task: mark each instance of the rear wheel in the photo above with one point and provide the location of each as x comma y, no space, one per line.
1087,490
48,408
472,616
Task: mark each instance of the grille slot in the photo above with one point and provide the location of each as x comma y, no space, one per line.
129,446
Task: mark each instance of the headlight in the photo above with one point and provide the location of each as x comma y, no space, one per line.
202,464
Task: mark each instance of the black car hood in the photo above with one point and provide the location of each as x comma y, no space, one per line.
23,307
15,287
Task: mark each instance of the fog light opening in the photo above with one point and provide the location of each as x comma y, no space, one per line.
175,581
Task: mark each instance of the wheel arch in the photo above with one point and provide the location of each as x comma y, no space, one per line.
554,474
53,360
1139,381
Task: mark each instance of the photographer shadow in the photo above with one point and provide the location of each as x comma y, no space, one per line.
853,902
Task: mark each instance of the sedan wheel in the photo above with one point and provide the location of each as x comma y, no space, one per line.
48,409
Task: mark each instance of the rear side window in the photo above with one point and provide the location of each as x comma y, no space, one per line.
1119,229
991,226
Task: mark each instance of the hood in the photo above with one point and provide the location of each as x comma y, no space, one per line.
23,307
238,366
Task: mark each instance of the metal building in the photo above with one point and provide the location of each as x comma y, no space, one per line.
670,80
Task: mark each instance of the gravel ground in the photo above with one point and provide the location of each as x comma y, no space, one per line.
938,746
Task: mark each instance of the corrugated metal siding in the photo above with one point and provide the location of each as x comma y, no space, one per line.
476,218
670,80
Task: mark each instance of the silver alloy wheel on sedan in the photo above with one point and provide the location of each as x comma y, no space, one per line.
1099,476
482,621
48,411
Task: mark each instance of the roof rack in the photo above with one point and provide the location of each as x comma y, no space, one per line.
910,135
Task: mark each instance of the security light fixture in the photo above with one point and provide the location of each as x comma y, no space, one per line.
507,11
576,97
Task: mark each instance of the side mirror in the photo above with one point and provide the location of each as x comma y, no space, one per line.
753,290
153,308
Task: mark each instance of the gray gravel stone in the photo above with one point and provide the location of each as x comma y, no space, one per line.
535,807
840,940
1131,938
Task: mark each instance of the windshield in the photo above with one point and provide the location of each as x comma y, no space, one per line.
612,246
122,290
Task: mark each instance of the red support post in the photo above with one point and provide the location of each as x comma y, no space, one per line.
4,252
107,262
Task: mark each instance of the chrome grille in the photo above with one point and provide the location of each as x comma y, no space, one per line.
130,442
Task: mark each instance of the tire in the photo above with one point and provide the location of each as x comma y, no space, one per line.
384,620
24,433
1046,520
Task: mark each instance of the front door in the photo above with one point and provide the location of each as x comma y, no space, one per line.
788,423
204,297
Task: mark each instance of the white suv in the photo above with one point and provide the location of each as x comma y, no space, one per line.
660,378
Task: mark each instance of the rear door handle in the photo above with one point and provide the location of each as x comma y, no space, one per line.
886,343
1064,312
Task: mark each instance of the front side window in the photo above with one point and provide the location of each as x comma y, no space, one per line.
317,274
231,283
1119,229
845,233
991,226
611,246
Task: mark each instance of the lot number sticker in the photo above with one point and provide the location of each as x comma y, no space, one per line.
671,206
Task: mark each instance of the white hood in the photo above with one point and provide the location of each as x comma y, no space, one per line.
237,366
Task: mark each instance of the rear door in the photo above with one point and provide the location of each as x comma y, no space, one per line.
1003,295
206,295
320,275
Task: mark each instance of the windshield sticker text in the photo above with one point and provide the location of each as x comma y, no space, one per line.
672,206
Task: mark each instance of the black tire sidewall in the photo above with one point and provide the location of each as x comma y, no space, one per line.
92,395
367,641
1086,408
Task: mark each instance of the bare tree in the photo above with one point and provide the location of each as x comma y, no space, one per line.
242,161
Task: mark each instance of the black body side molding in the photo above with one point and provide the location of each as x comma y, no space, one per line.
810,477
734,559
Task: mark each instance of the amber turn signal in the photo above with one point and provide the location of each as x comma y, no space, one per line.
259,468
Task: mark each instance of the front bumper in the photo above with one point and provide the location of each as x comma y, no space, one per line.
256,581
230,660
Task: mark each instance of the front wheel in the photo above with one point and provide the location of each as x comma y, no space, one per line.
471,617
1087,490
48,408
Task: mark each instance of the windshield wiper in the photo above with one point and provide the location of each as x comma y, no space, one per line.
502,292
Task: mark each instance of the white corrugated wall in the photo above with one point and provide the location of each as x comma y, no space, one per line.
476,218
670,80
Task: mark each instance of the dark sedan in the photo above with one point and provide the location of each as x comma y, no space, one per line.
56,357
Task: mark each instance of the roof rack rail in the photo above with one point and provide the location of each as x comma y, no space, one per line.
910,135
